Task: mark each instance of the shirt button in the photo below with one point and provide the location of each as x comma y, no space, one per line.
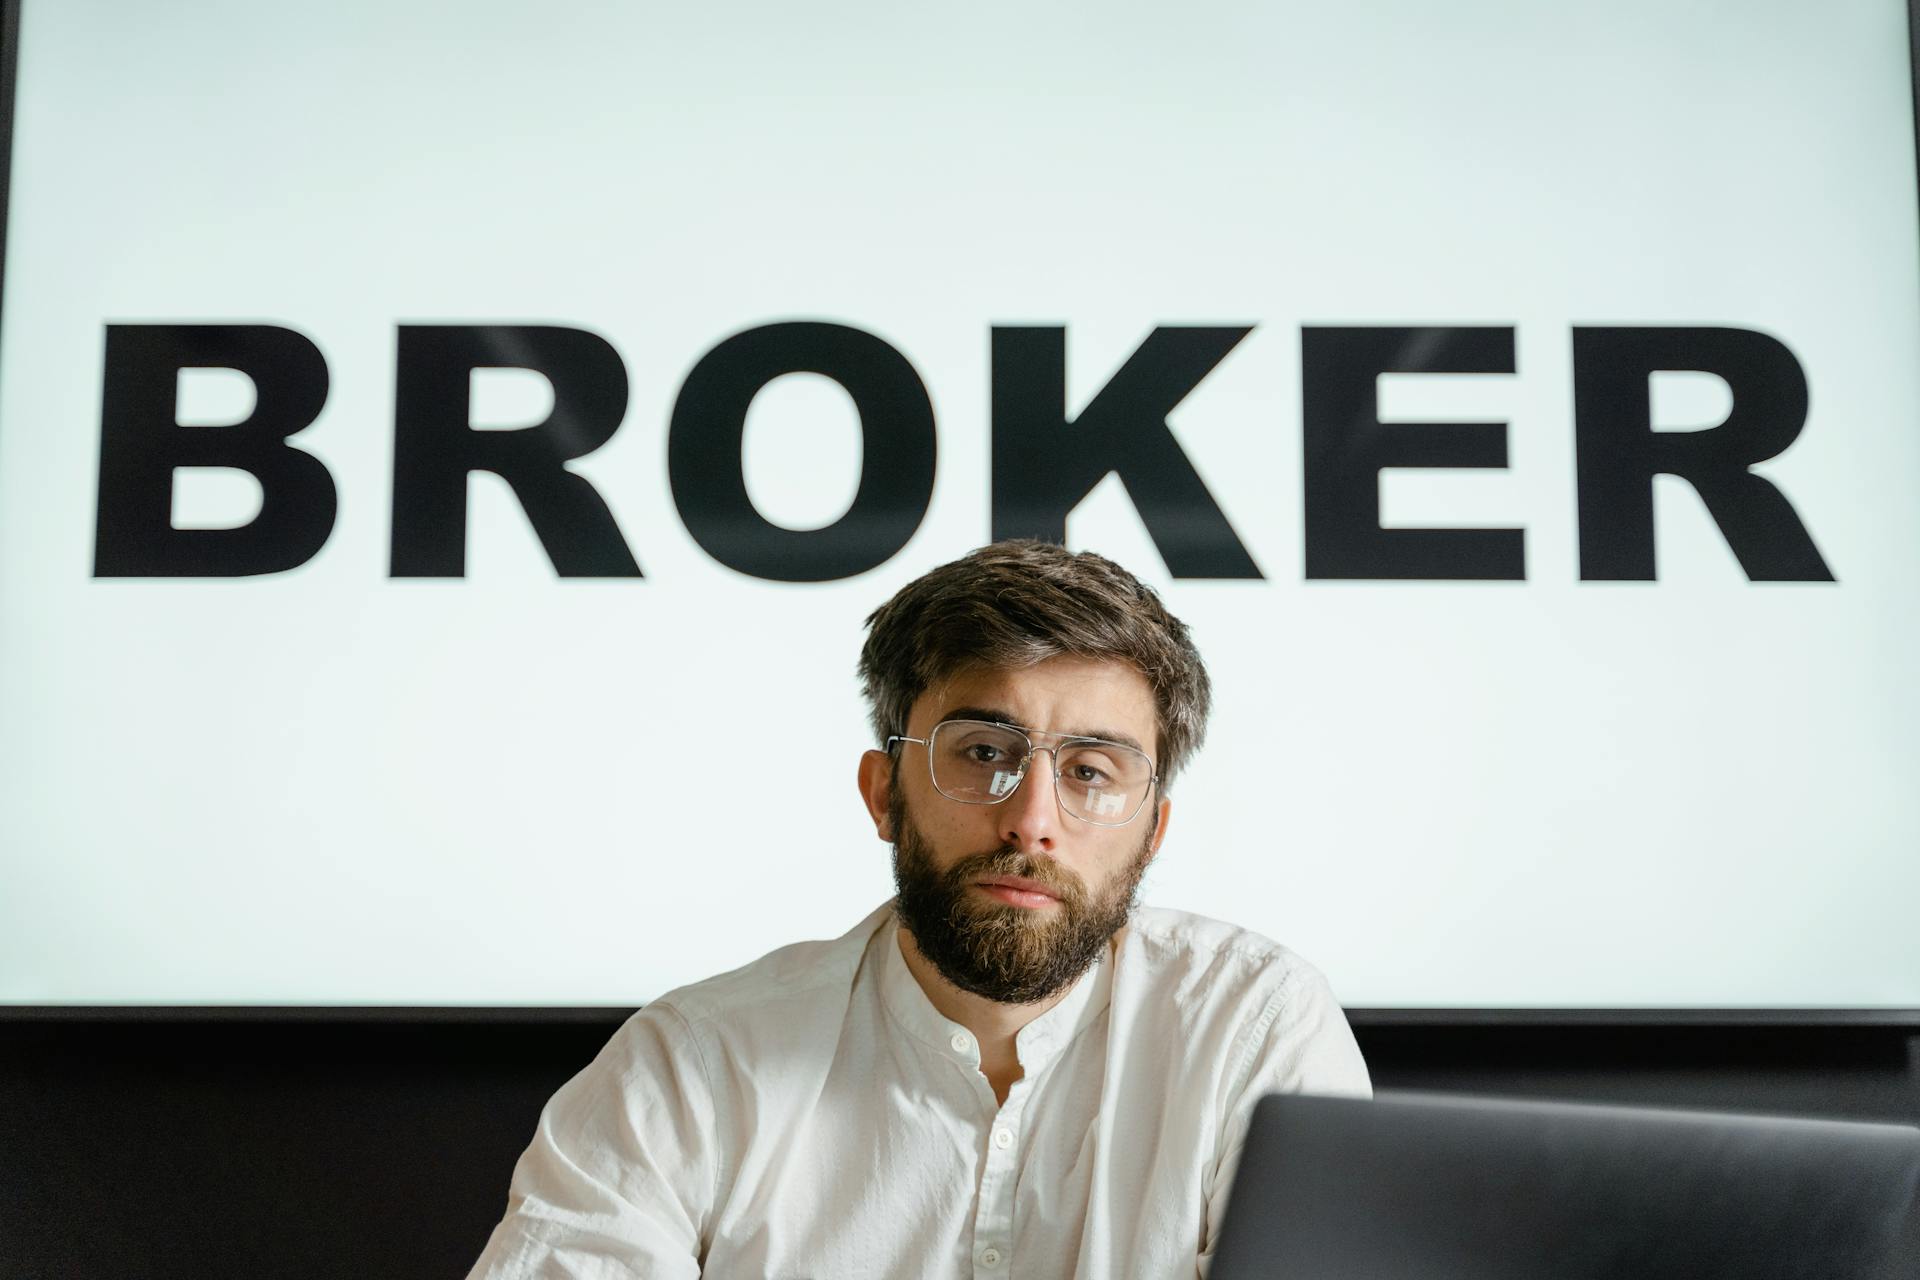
990,1257
1003,1138
960,1042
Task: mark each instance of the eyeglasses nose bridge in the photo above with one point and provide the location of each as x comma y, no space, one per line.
1026,764
1034,749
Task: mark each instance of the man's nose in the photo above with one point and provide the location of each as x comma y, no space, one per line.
1030,817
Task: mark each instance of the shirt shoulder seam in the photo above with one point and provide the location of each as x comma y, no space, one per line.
722,1174
1240,945
1256,1032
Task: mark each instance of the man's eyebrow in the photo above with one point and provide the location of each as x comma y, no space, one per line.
1110,735
1000,716
994,714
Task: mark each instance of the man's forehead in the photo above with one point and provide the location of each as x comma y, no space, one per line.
1090,697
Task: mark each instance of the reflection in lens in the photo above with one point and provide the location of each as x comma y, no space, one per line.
974,760
1103,783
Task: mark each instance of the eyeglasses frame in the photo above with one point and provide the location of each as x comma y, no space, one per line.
1065,740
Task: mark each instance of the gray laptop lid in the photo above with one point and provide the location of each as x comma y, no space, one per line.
1439,1188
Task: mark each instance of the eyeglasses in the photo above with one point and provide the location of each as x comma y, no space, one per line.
983,762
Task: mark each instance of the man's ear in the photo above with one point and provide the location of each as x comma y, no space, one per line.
876,789
1162,813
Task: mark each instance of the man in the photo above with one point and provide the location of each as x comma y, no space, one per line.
1006,1071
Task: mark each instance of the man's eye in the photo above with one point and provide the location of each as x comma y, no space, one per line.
1087,775
983,753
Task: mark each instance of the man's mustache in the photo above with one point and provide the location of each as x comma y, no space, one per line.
1008,861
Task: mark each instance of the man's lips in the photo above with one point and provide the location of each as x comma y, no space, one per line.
1018,891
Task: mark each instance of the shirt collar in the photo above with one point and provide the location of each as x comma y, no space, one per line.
1037,1043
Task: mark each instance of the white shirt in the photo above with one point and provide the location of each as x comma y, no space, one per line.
813,1115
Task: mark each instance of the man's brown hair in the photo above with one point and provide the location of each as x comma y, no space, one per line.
1017,603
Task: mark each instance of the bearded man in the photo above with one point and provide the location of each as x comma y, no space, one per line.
1008,1070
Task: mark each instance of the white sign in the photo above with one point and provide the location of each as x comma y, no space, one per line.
1518,402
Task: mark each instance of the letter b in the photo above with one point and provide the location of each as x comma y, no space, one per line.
142,443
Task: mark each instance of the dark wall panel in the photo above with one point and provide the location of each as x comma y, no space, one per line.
288,1148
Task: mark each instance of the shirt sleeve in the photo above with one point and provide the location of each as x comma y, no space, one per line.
1306,1047
619,1179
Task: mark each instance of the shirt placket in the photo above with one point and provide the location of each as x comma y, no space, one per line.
993,1214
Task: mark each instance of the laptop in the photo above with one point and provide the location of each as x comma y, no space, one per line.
1453,1188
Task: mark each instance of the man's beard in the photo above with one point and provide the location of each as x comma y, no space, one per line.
1015,955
